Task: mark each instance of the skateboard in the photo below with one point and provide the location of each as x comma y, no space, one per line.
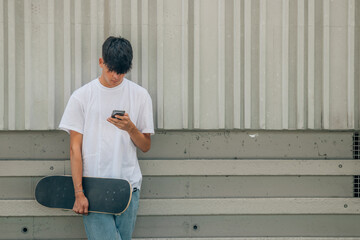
105,195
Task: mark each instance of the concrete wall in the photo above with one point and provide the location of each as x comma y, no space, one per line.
208,64
212,184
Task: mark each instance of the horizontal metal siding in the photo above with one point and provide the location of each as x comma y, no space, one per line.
207,64
175,187
205,207
242,227
54,145
200,167
210,185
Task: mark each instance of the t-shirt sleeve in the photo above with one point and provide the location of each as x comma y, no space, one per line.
145,122
73,117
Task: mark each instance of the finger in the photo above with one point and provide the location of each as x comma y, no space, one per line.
123,120
85,209
114,120
118,116
111,120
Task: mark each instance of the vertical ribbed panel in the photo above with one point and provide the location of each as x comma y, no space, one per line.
197,64
262,65
339,78
93,39
351,64
28,53
134,41
247,65
118,17
67,51
145,44
221,64
175,86
112,15
115,10
11,54
300,64
237,64
311,64
326,65
160,64
285,64
2,67
78,54
209,64
184,63
51,64
100,9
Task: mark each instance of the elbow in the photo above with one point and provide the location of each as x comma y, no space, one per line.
147,144
146,148
74,151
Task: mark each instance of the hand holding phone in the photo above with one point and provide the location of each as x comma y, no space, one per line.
124,123
117,112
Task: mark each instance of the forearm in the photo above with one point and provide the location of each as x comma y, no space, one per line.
81,203
142,141
76,159
76,170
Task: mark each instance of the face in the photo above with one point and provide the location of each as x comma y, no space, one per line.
109,79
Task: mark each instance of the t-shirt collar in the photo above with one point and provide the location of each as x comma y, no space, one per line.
113,88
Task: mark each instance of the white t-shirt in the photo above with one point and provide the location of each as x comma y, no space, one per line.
108,151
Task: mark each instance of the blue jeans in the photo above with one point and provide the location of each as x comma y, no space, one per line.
110,227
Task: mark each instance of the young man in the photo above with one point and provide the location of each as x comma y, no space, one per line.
101,146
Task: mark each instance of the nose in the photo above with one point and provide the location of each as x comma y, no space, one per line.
116,76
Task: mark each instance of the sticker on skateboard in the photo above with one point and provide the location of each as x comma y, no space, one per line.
105,195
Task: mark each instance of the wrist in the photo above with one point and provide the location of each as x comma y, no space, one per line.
132,129
79,195
79,192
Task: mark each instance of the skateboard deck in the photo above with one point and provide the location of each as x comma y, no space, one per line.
105,195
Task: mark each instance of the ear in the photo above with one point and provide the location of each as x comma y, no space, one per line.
101,62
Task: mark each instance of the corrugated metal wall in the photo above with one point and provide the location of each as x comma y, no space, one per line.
208,64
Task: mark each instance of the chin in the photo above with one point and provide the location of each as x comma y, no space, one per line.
116,82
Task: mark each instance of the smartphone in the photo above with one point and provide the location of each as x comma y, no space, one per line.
117,112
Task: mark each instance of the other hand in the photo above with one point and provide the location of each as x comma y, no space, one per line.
81,204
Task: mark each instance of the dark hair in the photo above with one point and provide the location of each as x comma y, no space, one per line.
117,54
